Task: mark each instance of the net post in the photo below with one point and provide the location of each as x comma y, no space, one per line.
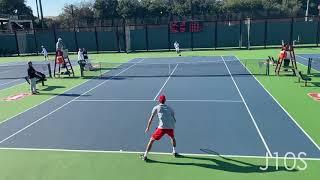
100,70
49,70
309,66
268,67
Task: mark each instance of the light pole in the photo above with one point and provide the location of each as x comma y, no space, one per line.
41,13
307,11
37,9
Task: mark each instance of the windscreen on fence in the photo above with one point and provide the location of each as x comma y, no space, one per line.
244,33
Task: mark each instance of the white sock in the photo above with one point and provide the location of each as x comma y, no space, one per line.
145,154
173,149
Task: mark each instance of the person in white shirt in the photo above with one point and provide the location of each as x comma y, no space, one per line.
59,45
177,47
45,53
166,125
80,55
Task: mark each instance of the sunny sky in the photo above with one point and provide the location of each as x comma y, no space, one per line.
51,7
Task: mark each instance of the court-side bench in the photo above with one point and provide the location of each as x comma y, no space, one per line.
303,77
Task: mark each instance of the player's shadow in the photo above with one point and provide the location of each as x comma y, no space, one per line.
223,164
63,94
51,88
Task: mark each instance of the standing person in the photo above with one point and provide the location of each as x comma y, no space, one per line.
85,54
33,78
59,52
177,47
166,125
45,53
80,55
59,45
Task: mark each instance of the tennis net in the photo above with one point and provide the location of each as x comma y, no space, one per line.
20,71
180,69
313,66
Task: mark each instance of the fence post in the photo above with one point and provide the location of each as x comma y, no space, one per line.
54,35
318,28
75,39
216,35
17,43
35,40
191,31
169,40
124,35
147,38
240,34
96,38
291,31
265,33
118,39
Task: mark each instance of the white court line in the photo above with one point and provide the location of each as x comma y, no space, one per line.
302,57
10,82
168,100
244,101
17,132
317,146
165,82
155,153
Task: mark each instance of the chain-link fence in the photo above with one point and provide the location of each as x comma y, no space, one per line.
245,33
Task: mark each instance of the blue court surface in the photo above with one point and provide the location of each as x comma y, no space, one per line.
303,59
12,73
219,107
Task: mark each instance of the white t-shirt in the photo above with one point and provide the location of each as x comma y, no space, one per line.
176,45
80,56
165,115
44,52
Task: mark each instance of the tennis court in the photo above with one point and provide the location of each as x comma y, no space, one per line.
219,106
315,61
14,73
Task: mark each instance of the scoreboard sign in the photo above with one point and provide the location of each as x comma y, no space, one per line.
185,26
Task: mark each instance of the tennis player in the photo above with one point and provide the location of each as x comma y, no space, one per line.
177,47
45,53
59,45
166,125
33,78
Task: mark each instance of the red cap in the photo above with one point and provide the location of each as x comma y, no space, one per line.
162,99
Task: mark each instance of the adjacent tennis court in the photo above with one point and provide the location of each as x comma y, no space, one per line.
219,106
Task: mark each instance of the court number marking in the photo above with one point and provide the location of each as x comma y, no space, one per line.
290,162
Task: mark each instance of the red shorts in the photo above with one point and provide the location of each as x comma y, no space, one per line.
158,133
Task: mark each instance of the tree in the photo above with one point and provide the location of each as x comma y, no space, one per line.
72,15
128,8
181,7
156,8
15,7
290,7
105,8
206,7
